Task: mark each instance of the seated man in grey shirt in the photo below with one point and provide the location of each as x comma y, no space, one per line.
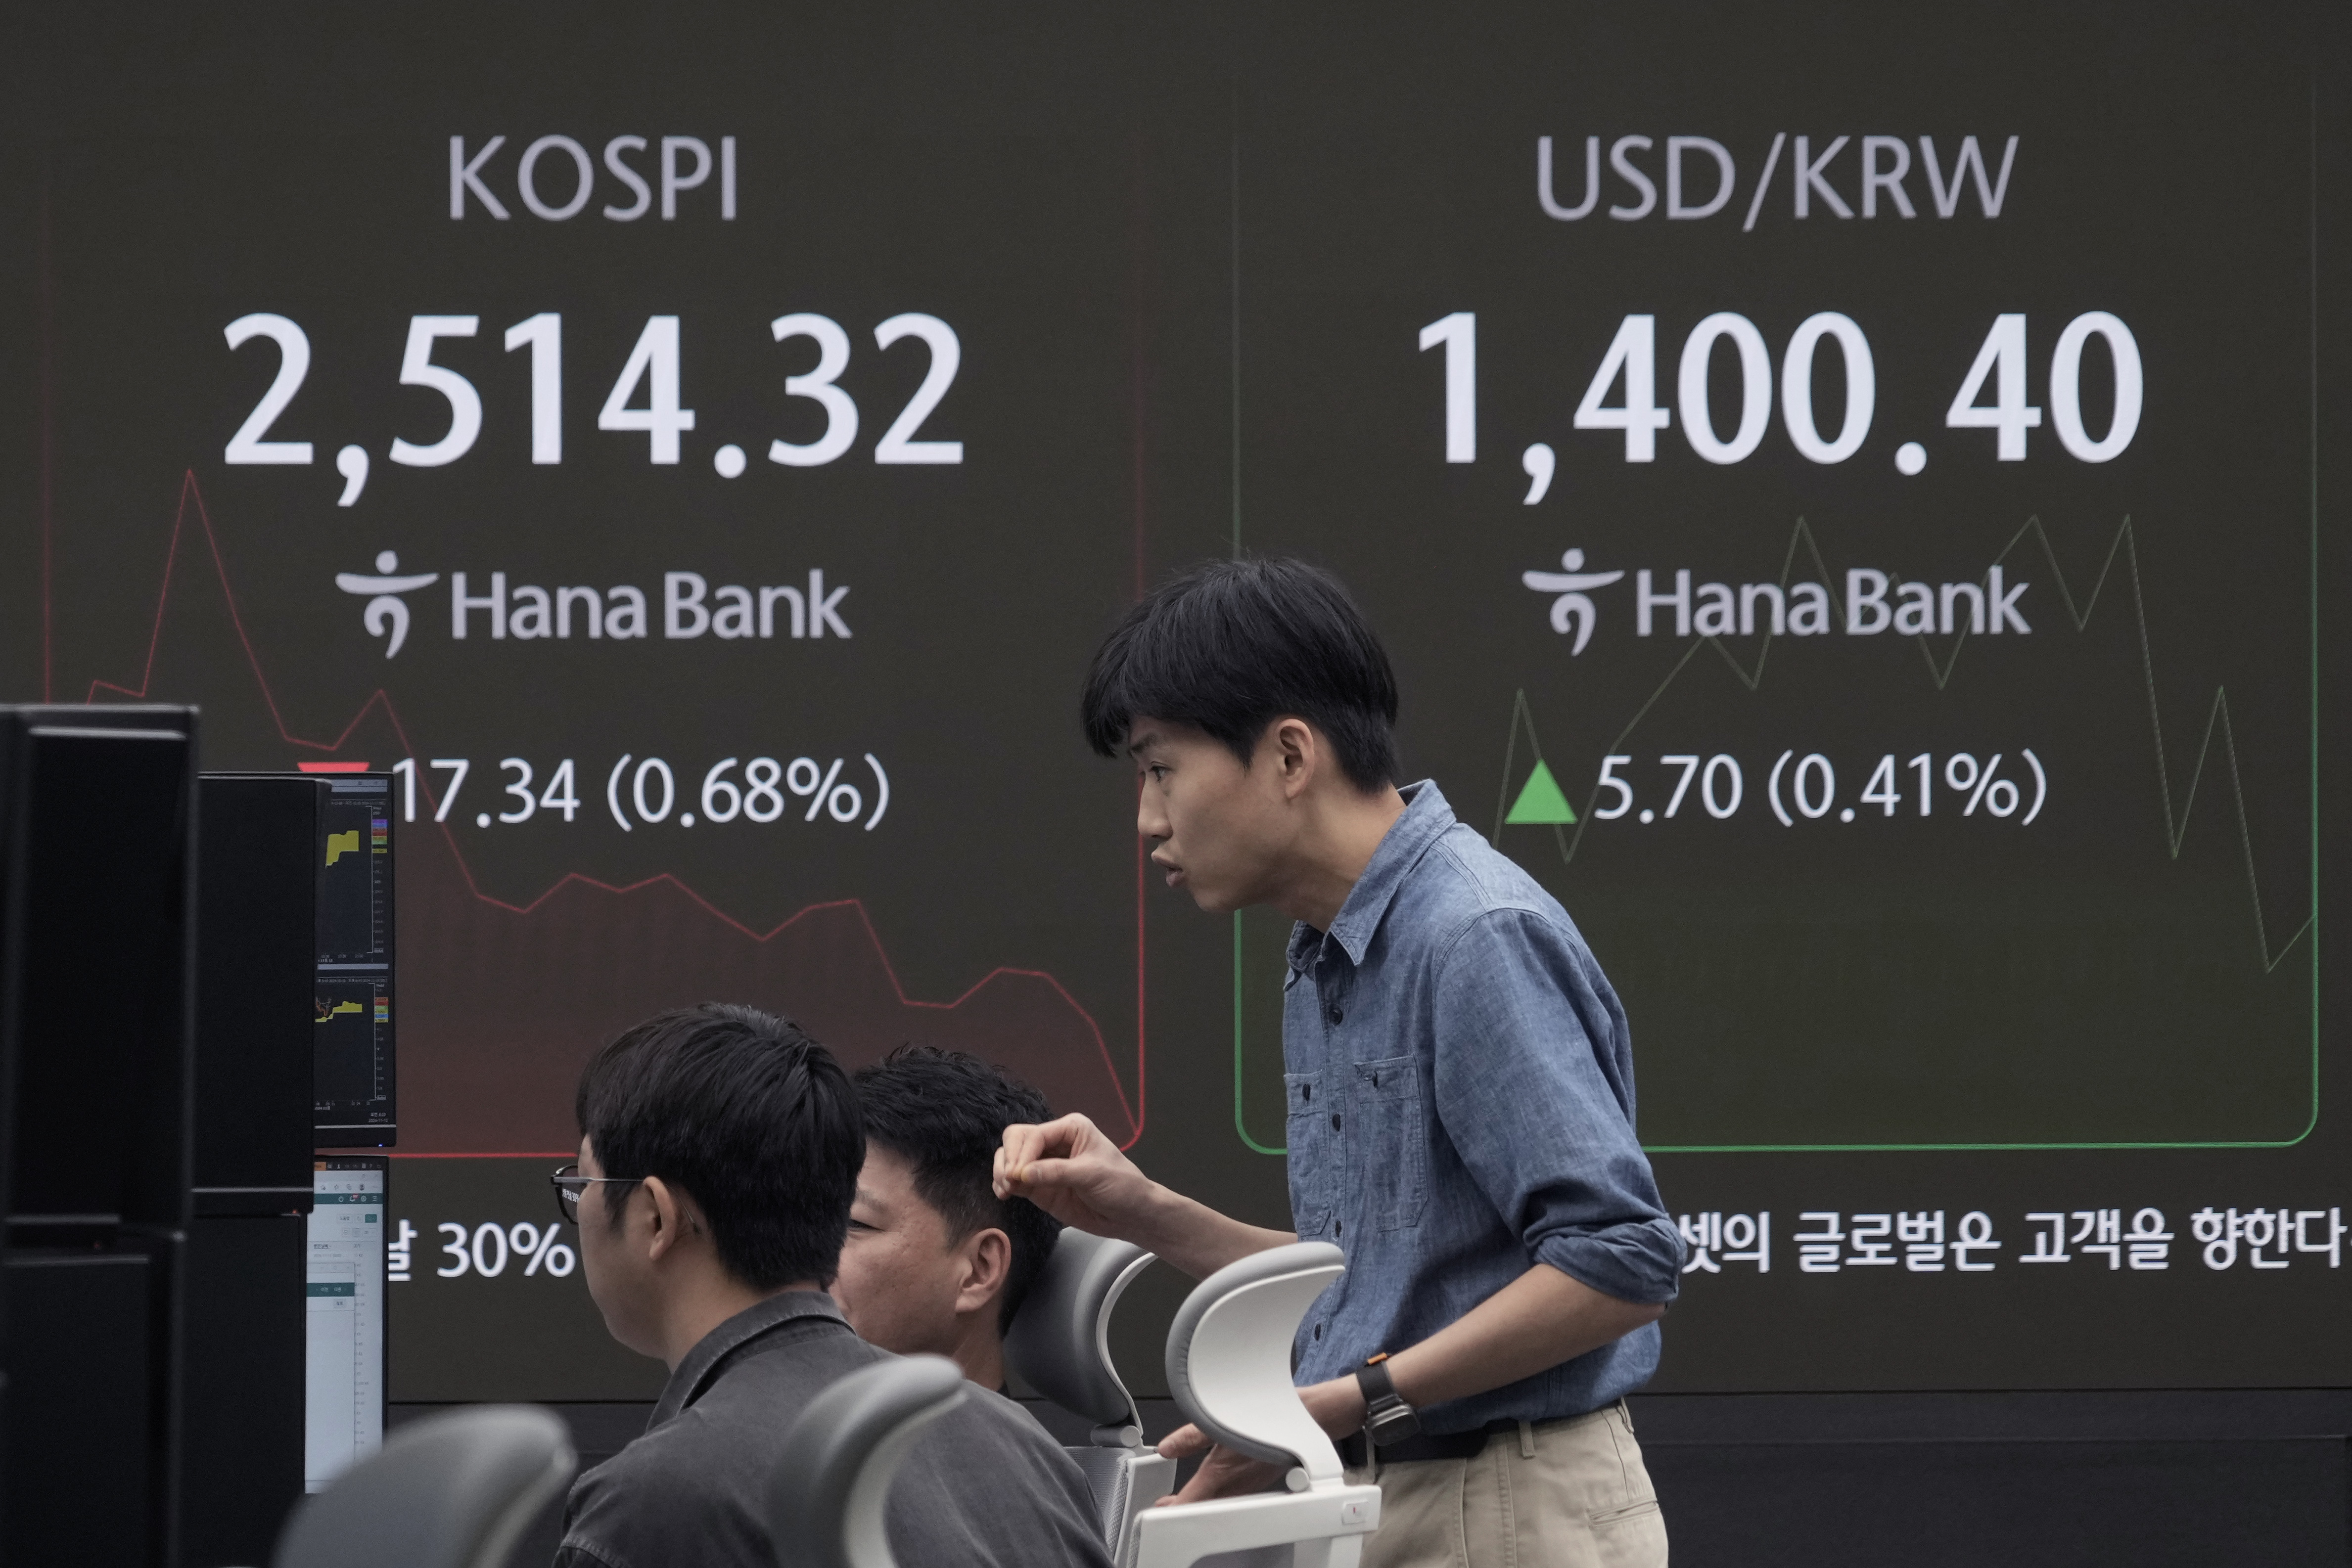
719,1149
936,1261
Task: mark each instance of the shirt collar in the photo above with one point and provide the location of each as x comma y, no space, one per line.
703,1364
1425,820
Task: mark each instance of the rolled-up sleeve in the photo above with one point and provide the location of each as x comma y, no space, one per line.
1534,1085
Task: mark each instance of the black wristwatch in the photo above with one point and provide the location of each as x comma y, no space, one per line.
1387,1417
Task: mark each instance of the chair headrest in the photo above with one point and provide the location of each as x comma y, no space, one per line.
1229,1356
832,1480
1060,1339
449,1492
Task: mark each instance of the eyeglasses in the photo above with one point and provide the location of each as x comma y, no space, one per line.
570,1184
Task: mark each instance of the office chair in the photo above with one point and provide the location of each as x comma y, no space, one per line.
1060,1344
450,1492
826,1501
1228,1370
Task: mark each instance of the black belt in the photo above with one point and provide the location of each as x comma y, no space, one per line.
1423,1445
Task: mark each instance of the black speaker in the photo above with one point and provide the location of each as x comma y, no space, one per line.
99,833
241,1390
97,825
242,1387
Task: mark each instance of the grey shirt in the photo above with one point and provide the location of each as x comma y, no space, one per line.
986,1488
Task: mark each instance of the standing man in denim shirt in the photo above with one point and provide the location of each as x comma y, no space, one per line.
1460,1091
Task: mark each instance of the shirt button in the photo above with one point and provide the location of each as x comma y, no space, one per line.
1335,1014
1318,1331
1334,1121
1338,1227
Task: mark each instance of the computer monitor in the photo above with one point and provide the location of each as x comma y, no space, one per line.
353,1068
343,1292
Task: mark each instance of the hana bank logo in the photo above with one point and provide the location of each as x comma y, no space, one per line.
1875,600
1573,607
385,612
692,607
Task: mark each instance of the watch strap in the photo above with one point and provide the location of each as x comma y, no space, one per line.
1388,1420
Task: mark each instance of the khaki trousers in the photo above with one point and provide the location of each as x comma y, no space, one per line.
1558,1494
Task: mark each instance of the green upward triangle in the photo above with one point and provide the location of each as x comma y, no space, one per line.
1540,801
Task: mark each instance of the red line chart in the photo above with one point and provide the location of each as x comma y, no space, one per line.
503,1000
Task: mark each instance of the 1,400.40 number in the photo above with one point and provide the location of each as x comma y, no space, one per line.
1630,368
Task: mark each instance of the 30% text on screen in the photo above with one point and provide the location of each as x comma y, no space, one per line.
488,1249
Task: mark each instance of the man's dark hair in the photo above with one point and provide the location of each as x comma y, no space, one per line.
747,1115
1230,646
945,1113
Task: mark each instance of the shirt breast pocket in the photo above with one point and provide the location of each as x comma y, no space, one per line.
1395,1165
1309,1152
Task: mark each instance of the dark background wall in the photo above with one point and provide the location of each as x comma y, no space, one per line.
1185,258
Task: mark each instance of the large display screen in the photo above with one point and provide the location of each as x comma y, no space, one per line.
1844,489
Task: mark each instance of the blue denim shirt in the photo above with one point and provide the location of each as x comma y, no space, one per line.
1461,1107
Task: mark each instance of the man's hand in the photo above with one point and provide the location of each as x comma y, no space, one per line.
1224,1473
1069,1168
1337,1407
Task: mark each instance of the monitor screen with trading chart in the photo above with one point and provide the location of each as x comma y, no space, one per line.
342,1289
351,1069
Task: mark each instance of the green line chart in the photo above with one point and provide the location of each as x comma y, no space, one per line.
2178,804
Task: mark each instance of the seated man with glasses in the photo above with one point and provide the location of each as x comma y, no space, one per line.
936,1261
719,1149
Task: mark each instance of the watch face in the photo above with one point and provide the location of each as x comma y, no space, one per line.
1393,1422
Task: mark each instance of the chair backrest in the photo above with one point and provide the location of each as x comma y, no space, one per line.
449,1492
1060,1339
1229,1358
1124,1483
832,1482
1229,1368
1060,1344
